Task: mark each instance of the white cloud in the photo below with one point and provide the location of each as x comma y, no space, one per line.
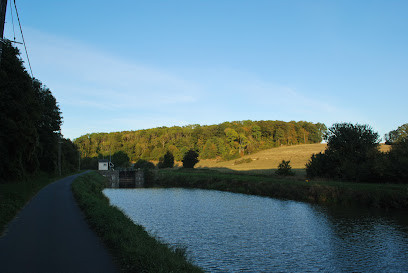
101,92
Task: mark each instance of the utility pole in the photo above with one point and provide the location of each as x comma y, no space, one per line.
59,154
3,7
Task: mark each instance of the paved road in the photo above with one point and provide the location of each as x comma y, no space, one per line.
50,235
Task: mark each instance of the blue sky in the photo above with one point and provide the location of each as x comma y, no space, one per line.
129,65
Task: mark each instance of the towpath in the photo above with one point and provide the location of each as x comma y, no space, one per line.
50,235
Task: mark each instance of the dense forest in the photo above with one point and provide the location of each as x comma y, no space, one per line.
225,141
30,121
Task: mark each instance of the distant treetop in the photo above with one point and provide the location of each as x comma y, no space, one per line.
226,141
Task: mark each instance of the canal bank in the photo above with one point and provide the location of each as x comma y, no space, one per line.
130,243
347,194
133,248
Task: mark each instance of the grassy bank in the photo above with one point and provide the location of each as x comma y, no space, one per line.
320,192
14,196
133,248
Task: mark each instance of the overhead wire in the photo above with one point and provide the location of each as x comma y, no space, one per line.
22,36
12,20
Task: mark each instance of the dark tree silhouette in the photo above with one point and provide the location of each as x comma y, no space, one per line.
190,159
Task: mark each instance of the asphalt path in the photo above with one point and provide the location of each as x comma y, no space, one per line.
50,235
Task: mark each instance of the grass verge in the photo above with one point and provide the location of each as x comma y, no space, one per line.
132,247
320,192
14,196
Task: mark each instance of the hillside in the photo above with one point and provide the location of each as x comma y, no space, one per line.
267,160
226,141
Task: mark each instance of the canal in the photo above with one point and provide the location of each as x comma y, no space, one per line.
229,232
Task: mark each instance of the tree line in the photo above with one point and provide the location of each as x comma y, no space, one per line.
30,122
225,141
352,154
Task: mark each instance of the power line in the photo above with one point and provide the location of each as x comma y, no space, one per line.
22,36
12,20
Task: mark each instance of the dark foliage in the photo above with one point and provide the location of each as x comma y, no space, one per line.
351,154
30,121
284,169
120,159
147,168
397,135
69,156
143,164
397,170
89,163
167,161
190,159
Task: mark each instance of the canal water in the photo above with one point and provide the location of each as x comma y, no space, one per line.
229,232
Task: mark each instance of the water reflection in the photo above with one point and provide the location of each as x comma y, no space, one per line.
230,232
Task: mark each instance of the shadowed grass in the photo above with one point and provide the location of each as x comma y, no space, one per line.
321,192
133,248
14,196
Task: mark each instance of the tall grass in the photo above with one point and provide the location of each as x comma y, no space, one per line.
320,192
132,247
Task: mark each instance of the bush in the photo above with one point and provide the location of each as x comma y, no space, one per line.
149,177
143,164
120,159
190,159
167,161
284,169
351,154
398,162
244,160
320,165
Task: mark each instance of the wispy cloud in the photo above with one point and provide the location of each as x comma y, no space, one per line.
99,91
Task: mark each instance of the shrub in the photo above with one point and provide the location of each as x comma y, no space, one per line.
190,159
143,164
320,165
351,154
284,169
167,161
120,159
244,160
398,162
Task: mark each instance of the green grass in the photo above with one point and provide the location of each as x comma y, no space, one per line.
294,188
133,248
14,196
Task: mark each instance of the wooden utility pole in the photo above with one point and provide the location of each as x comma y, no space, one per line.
59,154
3,7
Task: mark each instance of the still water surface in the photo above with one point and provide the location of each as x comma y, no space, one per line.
229,232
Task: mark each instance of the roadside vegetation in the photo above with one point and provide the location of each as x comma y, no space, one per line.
30,124
132,247
294,188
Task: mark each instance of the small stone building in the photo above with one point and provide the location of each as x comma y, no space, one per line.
103,164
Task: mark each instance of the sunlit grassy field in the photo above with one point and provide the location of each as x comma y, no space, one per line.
267,161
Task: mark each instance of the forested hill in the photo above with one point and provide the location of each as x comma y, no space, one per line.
227,140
